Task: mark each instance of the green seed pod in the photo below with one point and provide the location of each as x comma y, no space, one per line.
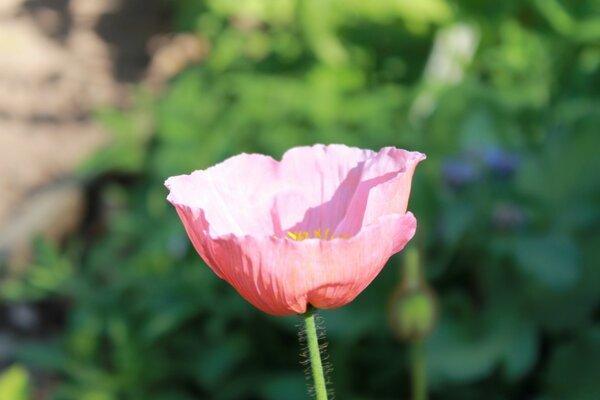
413,308
413,313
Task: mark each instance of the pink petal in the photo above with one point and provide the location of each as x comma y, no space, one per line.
238,212
384,188
323,177
235,195
281,276
311,188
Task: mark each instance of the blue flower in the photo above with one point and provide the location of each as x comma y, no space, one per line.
502,163
458,173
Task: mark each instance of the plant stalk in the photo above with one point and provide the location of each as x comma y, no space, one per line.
315,355
419,378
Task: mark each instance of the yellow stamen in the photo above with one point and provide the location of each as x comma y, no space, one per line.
292,235
302,235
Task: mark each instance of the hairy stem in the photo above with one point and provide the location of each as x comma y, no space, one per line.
315,355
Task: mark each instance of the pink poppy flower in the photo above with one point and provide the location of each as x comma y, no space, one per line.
314,228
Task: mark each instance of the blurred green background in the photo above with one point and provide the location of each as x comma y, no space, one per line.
503,97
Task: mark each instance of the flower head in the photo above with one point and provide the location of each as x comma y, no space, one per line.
502,163
314,228
458,173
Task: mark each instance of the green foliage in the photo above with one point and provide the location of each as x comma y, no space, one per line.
564,381
14,384
506,202
49,275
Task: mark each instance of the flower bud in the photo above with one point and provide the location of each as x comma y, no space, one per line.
413,307
413,313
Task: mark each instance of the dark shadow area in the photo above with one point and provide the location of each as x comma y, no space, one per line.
51,16
127,30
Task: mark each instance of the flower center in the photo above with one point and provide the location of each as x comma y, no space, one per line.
316,234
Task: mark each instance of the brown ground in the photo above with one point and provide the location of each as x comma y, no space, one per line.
59,61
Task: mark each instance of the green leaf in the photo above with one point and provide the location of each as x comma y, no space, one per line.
47,357
464,350
14,384
479,131
165,320
552,259
290,386
573,370
521,349
218,362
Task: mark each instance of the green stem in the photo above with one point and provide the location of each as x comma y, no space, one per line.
419,379
315,355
